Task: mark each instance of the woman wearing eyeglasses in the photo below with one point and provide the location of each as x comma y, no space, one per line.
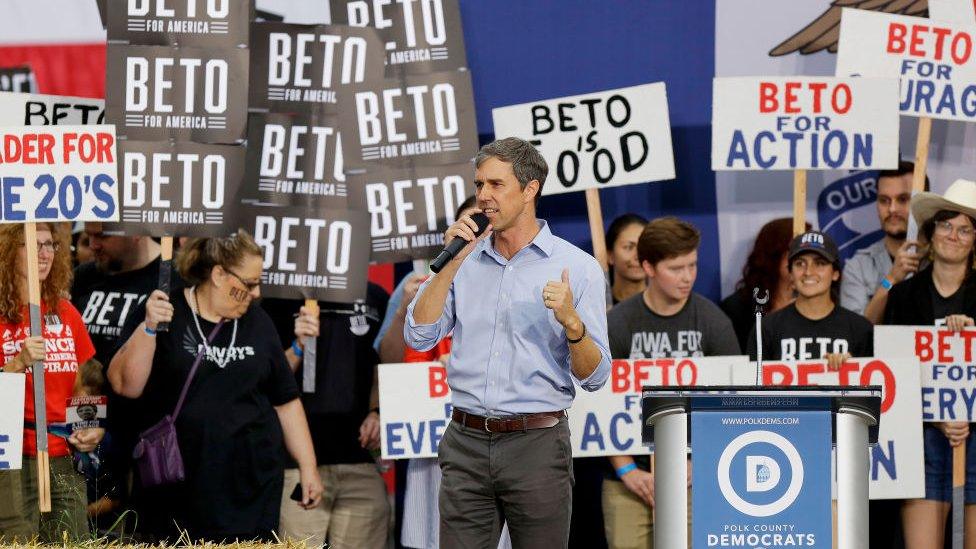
62,346
942,294
241,406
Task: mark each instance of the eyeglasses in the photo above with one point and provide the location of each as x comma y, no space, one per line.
51,246
944,228
250,286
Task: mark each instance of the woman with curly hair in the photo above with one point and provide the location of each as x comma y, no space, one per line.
64,335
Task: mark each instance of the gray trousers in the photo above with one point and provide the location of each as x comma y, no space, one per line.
524,478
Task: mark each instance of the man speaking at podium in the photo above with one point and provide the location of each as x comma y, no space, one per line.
528,311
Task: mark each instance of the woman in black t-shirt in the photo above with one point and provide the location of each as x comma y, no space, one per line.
241,408
942,294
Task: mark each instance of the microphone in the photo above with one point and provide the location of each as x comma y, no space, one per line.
456,245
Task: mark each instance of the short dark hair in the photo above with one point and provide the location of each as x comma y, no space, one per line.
904,168
469,202
665,238
618,225
527,163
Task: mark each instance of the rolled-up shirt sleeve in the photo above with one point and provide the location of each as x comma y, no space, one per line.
423,337
591,306
855,289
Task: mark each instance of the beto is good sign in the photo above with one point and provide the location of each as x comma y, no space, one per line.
184,93
426,118
311,253
813,123
604,139
58,173
178,188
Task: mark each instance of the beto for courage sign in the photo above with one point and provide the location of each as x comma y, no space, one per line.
811,123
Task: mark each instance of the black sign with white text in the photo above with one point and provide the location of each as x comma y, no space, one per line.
177,189
196,94
428,119
17,79
305,66
419,36
295,159
311,253
410,208
180,22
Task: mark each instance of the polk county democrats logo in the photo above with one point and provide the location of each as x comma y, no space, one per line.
846,212
762,473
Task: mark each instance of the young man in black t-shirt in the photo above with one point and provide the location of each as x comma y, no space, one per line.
343,417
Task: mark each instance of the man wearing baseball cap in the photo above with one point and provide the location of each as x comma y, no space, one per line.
814,326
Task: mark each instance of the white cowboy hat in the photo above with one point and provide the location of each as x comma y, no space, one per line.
959,197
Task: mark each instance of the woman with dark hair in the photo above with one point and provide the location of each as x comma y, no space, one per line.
767,269
64,330
627,277
944,293
241,408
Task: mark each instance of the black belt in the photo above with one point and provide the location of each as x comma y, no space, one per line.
508,424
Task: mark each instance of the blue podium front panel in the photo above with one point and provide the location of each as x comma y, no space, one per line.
760,480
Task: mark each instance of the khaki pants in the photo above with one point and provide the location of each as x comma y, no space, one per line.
354,513
20,516
627,520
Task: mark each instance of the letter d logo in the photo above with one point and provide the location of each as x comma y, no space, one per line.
762,473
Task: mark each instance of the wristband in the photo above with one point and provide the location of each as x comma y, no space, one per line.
149,331
580,338
623,470
886,284
296,349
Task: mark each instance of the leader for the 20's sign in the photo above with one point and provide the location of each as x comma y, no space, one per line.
603,139
62,173
185,93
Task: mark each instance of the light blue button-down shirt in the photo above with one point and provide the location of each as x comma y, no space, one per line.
509,355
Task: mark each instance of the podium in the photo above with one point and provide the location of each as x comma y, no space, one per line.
774,421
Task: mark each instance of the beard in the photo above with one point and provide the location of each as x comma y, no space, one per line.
897,235
108,265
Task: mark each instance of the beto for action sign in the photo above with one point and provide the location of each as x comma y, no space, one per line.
603,139
761,479
935,60
811,123
58,173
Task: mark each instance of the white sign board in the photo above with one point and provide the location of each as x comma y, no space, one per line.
11,420
897,465
810,123
933,59
29,109
416,404
58,173
957,11
595,140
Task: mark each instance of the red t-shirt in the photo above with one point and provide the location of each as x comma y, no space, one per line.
68,345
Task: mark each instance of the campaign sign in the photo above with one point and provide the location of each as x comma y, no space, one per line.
310,253
11,420
17,79
28,109
295,159
177,189
948,367
761,479
933,59
416,403
604,139
810,123
304,66
85,412
63,173
410,208
180,22
896,461
961,11
187,94
419,37
424,118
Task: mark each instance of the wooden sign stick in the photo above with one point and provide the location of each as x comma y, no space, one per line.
40,402
311,348
165,272
799,202
597,234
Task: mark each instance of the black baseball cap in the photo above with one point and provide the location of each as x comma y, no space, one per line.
814,242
